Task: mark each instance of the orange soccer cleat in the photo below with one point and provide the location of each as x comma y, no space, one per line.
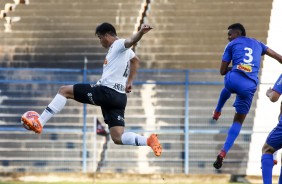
33,125
154,143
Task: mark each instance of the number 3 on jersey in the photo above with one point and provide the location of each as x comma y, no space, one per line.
248,54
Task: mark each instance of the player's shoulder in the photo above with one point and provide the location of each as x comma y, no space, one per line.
118,45
250,39
119,41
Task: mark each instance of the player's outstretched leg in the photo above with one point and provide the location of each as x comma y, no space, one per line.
34,125
233,133
223,97
219,160
154,143
56,105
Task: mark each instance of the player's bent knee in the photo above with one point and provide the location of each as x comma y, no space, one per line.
116,140
267,149
66,91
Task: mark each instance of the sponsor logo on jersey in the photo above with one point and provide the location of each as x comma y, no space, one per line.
119,87
245,68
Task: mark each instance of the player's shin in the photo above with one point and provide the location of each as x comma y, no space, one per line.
56,105
131,138
267,166
224,96
232,135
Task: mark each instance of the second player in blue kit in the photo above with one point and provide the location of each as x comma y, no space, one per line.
274,139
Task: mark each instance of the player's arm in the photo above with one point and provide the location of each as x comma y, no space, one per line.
134,65
272,95
137,36
274,55
224,69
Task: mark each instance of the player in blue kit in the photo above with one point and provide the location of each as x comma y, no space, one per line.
241,79
274,139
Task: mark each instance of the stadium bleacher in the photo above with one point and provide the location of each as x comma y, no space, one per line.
195,35
60,34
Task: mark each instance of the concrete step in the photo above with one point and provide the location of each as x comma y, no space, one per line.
47,136
71,144
209,11
214,5
81,5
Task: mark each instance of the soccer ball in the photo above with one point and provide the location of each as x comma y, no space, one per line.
32,115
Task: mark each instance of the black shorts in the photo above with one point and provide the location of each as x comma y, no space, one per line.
112,103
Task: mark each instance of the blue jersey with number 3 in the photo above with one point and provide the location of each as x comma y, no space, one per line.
245,54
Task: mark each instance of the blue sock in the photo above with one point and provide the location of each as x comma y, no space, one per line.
233,133
224,96
267,166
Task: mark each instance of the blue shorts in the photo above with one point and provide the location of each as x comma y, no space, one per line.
243,87
274,138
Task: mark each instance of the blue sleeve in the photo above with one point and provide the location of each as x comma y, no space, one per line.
264,48
227,54
278,85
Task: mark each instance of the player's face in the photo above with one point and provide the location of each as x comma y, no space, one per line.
232,34
103,40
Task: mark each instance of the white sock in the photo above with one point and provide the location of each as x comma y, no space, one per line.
130,138
56,105
275,155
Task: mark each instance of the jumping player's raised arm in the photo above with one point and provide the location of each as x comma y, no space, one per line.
137,36
274,55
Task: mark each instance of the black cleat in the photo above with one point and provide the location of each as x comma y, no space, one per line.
218,163
219,160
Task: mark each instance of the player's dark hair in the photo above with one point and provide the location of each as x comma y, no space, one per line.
104,28
239,27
